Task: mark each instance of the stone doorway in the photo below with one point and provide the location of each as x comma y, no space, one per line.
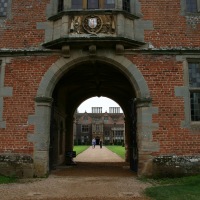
71,81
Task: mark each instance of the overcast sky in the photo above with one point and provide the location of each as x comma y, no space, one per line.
103,102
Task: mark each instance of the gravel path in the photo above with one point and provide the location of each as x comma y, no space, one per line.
109,180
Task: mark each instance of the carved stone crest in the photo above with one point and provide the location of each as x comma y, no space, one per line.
92,24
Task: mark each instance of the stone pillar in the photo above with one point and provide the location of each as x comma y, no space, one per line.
145,142
41,137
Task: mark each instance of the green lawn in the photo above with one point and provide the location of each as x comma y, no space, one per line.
119,150
185,188
80,148
4,179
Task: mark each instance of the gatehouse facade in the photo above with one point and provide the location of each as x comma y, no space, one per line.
145,55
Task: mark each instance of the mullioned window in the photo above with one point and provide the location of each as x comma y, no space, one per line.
194,84
3,8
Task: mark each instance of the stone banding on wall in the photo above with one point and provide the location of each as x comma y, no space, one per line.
4,91
174,166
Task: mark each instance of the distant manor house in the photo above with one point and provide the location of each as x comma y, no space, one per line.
107,127
144,55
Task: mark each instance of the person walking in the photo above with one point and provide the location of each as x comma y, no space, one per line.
93,143
100,143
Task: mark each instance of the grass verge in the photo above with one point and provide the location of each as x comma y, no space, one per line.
119,150
185,188
6,180
80,148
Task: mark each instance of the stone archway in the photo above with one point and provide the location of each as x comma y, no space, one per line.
43,101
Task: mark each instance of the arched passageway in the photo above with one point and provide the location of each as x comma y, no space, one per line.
69,82
84,80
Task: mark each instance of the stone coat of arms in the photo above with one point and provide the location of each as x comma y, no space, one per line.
92,22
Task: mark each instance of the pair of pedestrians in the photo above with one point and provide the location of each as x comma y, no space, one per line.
94,143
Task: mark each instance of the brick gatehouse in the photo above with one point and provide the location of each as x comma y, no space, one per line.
145,55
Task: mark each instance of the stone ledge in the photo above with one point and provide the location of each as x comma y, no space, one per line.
175,166
16,165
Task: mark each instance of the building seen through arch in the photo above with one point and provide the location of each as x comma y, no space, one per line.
107,127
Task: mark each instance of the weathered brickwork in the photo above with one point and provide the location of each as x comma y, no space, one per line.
24,75
38,72
163,74
171,28
20,31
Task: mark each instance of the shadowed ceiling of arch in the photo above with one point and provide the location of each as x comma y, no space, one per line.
93,78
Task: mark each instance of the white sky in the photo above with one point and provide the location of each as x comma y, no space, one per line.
103,102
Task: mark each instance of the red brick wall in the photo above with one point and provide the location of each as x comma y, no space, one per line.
23,74
20,31
170,28
163,74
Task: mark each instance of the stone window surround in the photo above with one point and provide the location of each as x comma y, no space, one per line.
184,91
84,128
192,89
4,91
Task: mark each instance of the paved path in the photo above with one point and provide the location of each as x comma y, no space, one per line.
98,155
98,175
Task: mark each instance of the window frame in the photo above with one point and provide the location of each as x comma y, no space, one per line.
85,128
197,8
101,5
5,9
126,5
192,89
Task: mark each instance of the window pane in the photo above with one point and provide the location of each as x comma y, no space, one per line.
109,4
194,74
3,8
93,4
126,5
77,4
85,128
60,5
191,5
195,106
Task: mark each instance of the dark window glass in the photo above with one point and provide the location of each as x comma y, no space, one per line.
194,83
191,5
3,8
85,128
60,5
77,4
126,5
93,4
97,128
109,4
194,75
195,106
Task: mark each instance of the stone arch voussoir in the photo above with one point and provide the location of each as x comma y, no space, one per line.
62,65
